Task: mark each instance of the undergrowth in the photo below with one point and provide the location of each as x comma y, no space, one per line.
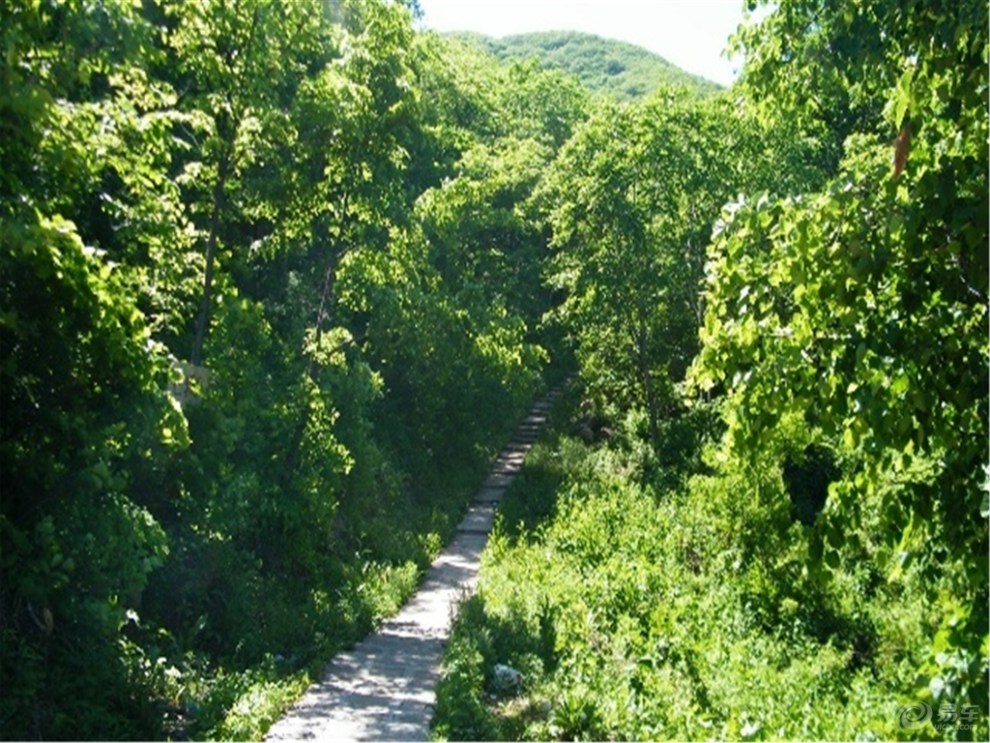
287,632
637,610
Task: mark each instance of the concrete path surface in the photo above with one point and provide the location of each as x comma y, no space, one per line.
383,689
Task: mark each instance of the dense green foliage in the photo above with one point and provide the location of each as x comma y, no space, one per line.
254,353
627,200
815,565
641,613
861,310
277,276
606,67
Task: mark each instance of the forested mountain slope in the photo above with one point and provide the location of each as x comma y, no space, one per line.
276,276
604,66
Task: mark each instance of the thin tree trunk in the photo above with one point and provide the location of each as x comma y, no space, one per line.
323,312
205,307
649,391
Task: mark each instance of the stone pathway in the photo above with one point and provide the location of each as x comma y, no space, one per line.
383,689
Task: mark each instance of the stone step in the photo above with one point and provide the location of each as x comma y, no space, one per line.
479,517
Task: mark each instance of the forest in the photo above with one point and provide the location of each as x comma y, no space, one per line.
279,277
607,67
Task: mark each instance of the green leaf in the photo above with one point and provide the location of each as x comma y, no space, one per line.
816,547
835,536
903,96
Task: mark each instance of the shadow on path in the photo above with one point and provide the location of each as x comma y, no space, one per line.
383,689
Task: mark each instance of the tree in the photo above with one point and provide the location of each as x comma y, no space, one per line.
84,416
629,202
238,66
861,309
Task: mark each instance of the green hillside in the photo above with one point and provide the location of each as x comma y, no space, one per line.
616,68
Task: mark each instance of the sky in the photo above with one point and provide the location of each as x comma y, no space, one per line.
689,33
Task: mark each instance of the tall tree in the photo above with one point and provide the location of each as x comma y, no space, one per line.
861,309
83,411
628,201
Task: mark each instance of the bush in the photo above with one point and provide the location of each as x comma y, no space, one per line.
688,615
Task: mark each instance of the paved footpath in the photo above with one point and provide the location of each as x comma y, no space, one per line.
383,689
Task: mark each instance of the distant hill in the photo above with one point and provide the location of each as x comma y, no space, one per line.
605,66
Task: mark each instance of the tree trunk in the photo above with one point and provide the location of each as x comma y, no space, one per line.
205,307
649,390
294,448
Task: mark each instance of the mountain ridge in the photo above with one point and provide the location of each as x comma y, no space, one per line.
605,66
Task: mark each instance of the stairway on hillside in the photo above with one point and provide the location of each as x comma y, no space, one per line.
383,689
